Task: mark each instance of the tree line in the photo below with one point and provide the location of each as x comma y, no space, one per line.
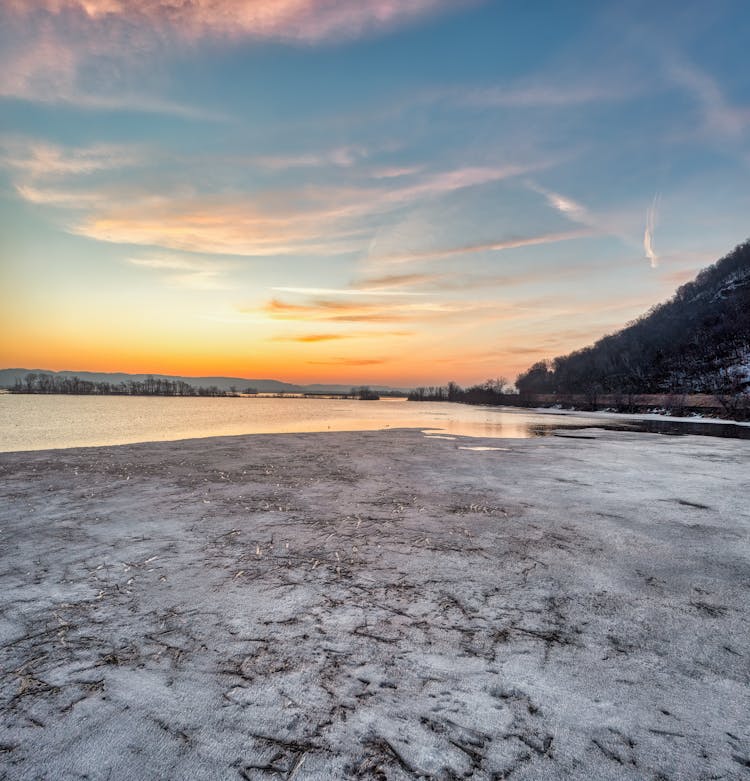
364,393
34,382
493,391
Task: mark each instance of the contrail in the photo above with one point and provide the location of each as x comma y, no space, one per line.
648,235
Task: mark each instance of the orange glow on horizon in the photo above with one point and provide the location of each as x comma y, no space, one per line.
399,371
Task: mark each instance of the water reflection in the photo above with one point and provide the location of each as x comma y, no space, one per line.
30,422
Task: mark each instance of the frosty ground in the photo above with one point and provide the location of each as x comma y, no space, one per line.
378,605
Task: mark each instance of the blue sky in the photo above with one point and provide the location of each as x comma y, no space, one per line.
402,192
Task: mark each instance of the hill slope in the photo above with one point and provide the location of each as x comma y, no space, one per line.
697,342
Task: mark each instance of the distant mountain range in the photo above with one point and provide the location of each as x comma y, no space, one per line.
8,379
697,342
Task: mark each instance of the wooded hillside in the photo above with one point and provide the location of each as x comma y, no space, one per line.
697,342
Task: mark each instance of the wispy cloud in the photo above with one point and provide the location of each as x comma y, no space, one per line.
60,176
721,119
186,272
461,280
396,172
461,178
329,337
311,338
340,157
375,284
652,215
39,159
67,58
345,291
573,210
619,224
294,20
52,48
61,197
492,246
349,362
176,215
538,95
355,312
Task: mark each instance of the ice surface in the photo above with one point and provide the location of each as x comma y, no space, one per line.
377,605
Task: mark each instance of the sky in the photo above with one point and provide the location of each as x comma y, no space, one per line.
398,192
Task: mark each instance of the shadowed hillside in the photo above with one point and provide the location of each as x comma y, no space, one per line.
697,342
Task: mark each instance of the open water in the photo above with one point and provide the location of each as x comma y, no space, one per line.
38,422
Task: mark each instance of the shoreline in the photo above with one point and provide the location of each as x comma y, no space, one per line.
377,604
655,416
695,418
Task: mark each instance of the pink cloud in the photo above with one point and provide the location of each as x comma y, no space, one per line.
76,51
310,21
39,159
308,220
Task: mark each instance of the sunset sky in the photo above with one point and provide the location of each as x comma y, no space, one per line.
384,191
